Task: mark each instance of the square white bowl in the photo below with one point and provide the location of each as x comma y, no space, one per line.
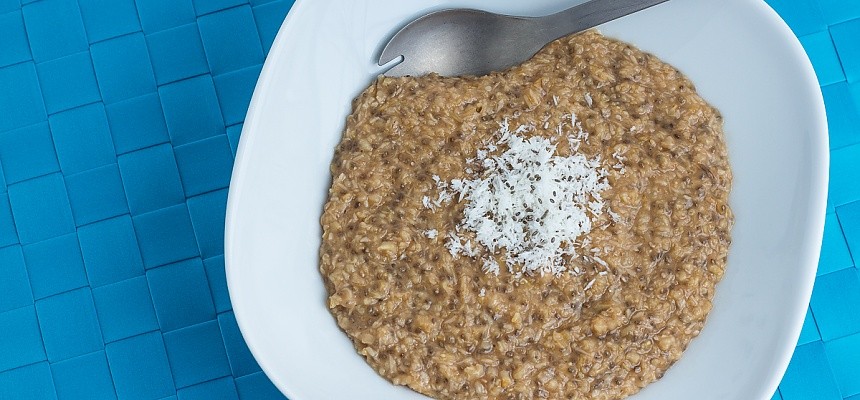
743,60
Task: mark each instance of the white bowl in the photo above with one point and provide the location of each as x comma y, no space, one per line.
741,56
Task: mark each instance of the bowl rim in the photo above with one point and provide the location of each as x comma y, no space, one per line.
819,182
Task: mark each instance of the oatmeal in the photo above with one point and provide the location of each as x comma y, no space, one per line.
473,322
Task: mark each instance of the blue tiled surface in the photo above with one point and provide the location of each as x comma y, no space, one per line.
257,386
55,28
151,179
96,194
845,37
177,53
217,277
809,375
204,165
28,152
835,11
209,6
15,289
110,250
233,134
207,217
833,302
55,266
843,354
125,309
181,294
819,47
137,123
22,343
844,173
165,236
40,208
834,249
809,332
843,115
8,235
241,361
218,389
68,82
9,5
123,67
803,16
849,219
267,15
32,382
14,47
106,19
234,92
120,122
69,325
191,110
82,138
3,179
196,354
83,377
231,49
158,15
20,97
139,367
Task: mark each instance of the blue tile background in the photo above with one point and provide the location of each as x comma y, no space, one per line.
125,309
121,120
83,377
68,82
69,325
120,124
82,138
55,266
123,67
55,28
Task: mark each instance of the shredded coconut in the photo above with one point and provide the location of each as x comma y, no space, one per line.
620,164
491,266
528,201
588,285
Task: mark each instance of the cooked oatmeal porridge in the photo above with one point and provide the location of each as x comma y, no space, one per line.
553,231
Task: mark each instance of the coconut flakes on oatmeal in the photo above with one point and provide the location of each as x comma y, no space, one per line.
529,201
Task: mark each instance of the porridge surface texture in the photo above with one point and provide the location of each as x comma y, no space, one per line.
632,298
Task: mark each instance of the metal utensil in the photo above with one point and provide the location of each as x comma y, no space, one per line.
472,42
